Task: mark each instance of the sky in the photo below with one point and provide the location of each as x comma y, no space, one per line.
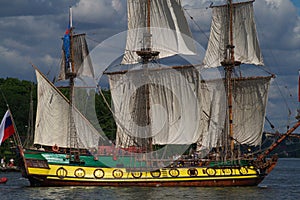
31,32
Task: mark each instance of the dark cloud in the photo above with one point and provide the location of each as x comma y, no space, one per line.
11,8
31,31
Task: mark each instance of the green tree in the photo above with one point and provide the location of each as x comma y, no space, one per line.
17,95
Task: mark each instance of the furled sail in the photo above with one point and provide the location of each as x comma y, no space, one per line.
53,117
81,59
246,43
171,102
168,28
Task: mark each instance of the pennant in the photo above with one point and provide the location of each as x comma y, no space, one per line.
66,45
6,127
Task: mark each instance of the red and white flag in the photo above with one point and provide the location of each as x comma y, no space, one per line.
6,127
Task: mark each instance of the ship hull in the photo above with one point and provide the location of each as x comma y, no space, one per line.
42,172
188,182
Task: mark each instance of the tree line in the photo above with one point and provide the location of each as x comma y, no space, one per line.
20,96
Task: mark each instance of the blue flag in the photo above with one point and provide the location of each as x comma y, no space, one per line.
66,44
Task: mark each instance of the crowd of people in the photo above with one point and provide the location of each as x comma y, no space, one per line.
10,163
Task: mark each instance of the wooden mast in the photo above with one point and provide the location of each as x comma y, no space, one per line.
74,151
149,20
71,43
229,63
231,30
147,86
146,52
229,72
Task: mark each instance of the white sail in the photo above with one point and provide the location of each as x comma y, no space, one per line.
173,106
52,119
245,39
213,114
168,27
249,109
88,136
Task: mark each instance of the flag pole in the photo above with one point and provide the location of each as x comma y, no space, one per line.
16,135
70,17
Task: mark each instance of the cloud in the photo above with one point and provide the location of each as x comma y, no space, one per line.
10,8
118,6
28,39
31,30
12,64
103,13
279,22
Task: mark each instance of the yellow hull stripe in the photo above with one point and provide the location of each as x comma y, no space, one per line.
92,174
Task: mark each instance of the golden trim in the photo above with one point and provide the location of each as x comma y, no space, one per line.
61,173
99,173
79,173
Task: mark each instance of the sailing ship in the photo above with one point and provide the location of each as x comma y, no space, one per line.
175,126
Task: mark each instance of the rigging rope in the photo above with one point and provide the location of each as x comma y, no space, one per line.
115,117
276,82
198,26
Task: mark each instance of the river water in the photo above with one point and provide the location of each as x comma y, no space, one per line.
282,183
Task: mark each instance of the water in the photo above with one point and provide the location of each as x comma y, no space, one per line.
282,183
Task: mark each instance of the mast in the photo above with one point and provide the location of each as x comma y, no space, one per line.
145,61
146,52
74,150
231,30
148,18
29,139
229,63
73,73
229,85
